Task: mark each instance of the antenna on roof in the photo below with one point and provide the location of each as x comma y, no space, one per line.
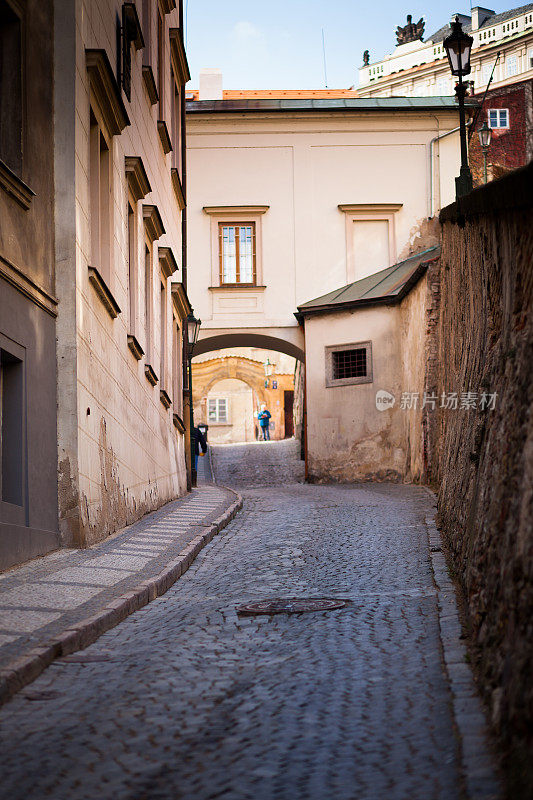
324,57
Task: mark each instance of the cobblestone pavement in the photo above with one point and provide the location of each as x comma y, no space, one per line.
185,699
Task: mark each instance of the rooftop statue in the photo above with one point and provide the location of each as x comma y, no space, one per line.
410,32
366,58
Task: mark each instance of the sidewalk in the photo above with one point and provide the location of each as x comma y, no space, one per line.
55,605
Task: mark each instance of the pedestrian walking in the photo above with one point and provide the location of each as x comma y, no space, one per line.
264,421
198,441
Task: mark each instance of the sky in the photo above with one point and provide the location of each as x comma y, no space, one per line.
277,44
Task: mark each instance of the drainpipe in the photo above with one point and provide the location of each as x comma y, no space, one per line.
431,152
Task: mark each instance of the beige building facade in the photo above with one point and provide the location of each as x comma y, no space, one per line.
120,71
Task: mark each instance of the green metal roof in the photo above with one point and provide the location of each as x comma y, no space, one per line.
387,286
335,104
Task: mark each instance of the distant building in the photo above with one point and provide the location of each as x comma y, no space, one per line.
418,68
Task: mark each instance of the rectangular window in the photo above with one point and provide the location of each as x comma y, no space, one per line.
237,254
349,364
217,409
498,117
163,334
100,199
530,59
177,368
132,268
512,65
147,31
160,62
486,71
12,428
10,87
175,123
147,301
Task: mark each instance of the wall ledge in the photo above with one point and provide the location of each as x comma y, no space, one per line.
104,293
510,193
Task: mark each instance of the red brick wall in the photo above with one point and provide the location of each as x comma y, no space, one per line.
508,145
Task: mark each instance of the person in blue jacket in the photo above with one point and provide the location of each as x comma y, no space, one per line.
264,422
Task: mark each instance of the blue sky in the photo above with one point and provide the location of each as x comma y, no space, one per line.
277,44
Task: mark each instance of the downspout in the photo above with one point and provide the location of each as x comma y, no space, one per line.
431,151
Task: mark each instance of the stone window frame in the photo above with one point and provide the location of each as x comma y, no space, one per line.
153,230
137,188
354,212
15,513
236,215
332,382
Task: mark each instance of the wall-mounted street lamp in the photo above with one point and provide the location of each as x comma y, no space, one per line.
193,329
268,367
485,134
458,46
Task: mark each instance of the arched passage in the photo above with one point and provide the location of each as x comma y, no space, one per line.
245,339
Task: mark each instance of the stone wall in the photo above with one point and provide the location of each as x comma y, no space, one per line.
484,458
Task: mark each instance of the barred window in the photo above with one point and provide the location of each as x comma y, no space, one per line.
348,364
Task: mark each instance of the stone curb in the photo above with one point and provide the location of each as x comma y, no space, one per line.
481,780
25,669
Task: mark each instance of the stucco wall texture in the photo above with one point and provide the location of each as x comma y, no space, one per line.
485,458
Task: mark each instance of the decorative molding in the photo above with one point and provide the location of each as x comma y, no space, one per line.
104,293
178,422
165,399
150,84
232,211
167,262
178,56
152,222
15,187
13,275
180,300
106,91
149,372
137,178
178,189
164,136
167,6
135,347
370,208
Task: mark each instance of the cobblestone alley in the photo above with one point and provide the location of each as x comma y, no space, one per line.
185,699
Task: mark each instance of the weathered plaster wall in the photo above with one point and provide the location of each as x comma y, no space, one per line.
348,438
485,458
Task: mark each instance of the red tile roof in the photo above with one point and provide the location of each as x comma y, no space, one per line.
279,94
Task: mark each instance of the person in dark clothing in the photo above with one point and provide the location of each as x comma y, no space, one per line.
264,422
198,441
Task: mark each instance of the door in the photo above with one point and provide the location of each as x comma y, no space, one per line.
288,403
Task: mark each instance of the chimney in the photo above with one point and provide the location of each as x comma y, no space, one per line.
479,15
210,84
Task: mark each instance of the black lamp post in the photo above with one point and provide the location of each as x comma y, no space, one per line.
458,46
193,329
485,134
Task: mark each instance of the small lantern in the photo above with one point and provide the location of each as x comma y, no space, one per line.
485,134
268,367
193,329
458,46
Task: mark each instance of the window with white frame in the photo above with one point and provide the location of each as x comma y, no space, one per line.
498,117
512,65
237,253
217,410
486,71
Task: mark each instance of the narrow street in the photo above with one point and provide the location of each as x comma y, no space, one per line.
185,699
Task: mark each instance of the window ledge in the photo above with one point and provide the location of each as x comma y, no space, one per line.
150,85
165,399
178,422
15,187
242,287
135,347
150,374
164,136
104,293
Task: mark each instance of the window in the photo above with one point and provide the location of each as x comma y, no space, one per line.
486,71
12,428
498,118
443,86
148,283
512,65
100,199
163,333
175,122
10,87
217,410
160,62
237,253
132,276
530,59
177,367
349,364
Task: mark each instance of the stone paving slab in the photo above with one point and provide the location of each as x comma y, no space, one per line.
54,605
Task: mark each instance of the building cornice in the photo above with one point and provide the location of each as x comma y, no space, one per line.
221,211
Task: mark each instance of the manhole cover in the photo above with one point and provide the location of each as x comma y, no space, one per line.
290,605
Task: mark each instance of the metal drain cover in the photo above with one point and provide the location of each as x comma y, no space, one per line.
290,605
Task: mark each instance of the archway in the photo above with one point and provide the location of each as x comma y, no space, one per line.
246,339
